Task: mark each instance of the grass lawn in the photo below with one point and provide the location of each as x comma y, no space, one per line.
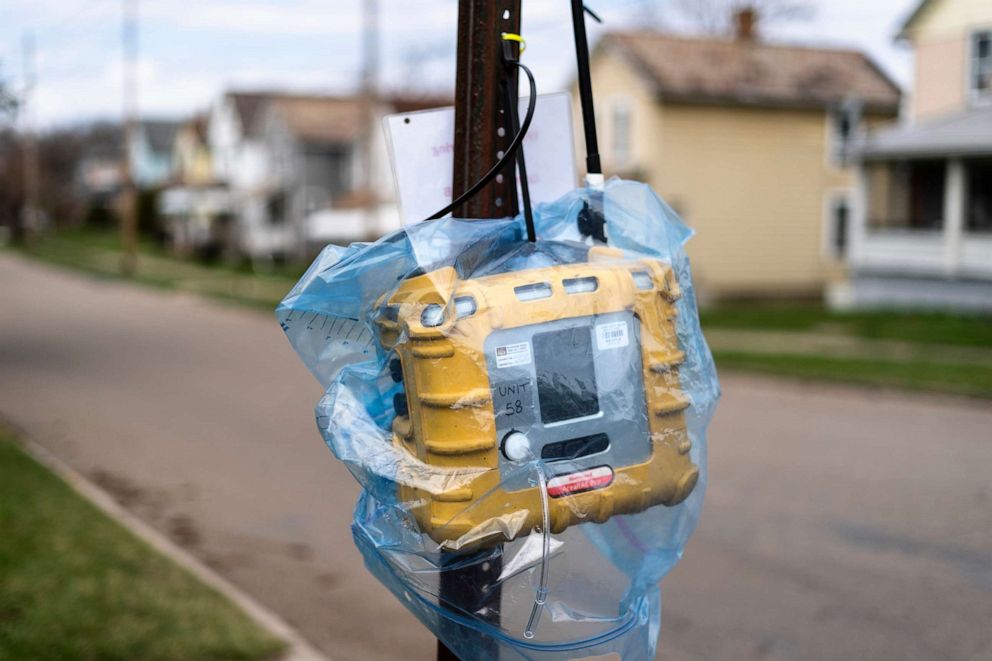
76,585
97,252
921,351
924,328
973,380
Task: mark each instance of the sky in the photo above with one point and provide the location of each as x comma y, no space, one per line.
192,50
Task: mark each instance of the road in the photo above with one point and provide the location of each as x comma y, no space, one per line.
840,523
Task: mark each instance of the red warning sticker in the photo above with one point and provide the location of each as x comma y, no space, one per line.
587,480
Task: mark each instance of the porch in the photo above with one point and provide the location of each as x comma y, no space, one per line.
922,221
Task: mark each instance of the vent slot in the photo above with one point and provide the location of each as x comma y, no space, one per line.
643,280
465,306
533,292
576,448
581,285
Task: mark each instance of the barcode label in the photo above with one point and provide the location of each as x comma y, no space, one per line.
612,335
511,355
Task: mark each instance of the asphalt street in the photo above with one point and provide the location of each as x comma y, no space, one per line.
840,523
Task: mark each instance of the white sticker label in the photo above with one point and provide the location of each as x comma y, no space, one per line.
612,335
513,354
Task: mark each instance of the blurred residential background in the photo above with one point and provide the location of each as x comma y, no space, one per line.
834,158
809,172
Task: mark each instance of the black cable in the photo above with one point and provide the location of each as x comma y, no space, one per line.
594,15
511,101
514,111
591,219
511,151
593,165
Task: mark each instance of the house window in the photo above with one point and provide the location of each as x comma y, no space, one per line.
276,208
845,121
907,195
926,194
981,65
838,226
978,208
622,130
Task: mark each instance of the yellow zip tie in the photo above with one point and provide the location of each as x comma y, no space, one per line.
512,36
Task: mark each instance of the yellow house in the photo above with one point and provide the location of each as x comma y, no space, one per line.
748,142
190,153
952,47
195,208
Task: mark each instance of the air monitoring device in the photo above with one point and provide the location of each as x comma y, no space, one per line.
575,364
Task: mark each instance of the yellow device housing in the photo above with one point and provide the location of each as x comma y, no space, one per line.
451,422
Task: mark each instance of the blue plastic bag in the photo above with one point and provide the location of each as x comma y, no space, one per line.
569,574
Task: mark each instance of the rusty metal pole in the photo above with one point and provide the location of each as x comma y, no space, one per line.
482,128
482,132
129,210
31,210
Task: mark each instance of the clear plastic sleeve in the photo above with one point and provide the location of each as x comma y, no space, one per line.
527,420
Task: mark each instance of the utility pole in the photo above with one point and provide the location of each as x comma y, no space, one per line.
483,130
30,212
370,103
129,210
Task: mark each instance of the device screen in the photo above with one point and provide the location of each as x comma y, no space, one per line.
566,376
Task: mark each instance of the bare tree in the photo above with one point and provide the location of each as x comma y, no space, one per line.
716,17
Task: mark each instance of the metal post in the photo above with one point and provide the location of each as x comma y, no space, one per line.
482,132
31,211
482,129
129,211
370,102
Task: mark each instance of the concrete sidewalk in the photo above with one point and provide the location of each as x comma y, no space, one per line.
840,523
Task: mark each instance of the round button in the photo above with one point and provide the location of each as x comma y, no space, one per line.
516,446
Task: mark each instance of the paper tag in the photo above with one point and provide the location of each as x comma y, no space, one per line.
612,335
510,355
421,150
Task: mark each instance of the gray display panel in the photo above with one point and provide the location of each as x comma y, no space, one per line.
575,388
566,374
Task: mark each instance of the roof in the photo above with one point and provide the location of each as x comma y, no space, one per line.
965,134
323,120
247,106
407,103
336,119
198,124
753,73
160,134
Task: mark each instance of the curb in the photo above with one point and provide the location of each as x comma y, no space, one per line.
299,649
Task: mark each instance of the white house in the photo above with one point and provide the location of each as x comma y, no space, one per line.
238,159
295,167
921,234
